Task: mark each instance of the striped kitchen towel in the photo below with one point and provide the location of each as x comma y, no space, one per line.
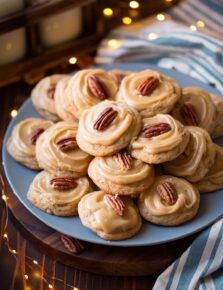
190,39
201,265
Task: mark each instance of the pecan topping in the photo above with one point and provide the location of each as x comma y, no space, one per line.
167,192
97,87
155,129
51,91
35,135
189,114
124,160
119,77
147,86
116,203
63,183
105,119
72,245
67,144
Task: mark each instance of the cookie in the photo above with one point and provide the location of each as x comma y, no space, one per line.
197,159
119,75
89,87
195,108
63,102
110,217
57,151
170,201
57,195
161,139
149,92
42,97
107,127
21,145
218,126
213,180
121,174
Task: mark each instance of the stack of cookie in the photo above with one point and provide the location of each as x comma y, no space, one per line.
124,145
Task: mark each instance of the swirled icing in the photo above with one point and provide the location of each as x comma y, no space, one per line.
81,94
186,197
160,100
40,96
203,105
127,122
21,135
107,167
164,142
48,153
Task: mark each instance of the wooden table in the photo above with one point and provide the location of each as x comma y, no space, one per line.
22,271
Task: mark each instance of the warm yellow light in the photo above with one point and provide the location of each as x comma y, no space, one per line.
13,113
126,20
193,28
114,43
168,0
200,23
26,276
4,197
152,36
108,12
75,288
134,4
5,236
160,17
73,60
35,262
50,286
14,251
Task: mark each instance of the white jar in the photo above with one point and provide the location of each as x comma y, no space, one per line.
13,43
61,27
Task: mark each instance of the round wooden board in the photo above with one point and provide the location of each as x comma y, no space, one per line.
105,260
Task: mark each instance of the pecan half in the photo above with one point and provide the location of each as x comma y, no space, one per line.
147,86
188,112
67,144
155,129
119,77
97,87
63,183
105,119
116,203
35,135
167,192
124,160
71,244
51,91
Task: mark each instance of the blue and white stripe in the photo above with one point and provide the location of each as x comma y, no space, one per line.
200,266
197,53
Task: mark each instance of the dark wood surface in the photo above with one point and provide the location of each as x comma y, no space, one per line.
24,236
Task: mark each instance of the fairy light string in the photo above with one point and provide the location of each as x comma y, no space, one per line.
23,261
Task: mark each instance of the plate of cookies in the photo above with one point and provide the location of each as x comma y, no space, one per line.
121,155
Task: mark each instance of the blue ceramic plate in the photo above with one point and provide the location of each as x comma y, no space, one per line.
20,178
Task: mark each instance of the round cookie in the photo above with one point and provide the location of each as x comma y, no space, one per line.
57,151
89,87
218,127
57,195
42,97
198,157
213,180
63,102
121,174
110,217
195,109
107,128
162,138
21,145
170,201
149,92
